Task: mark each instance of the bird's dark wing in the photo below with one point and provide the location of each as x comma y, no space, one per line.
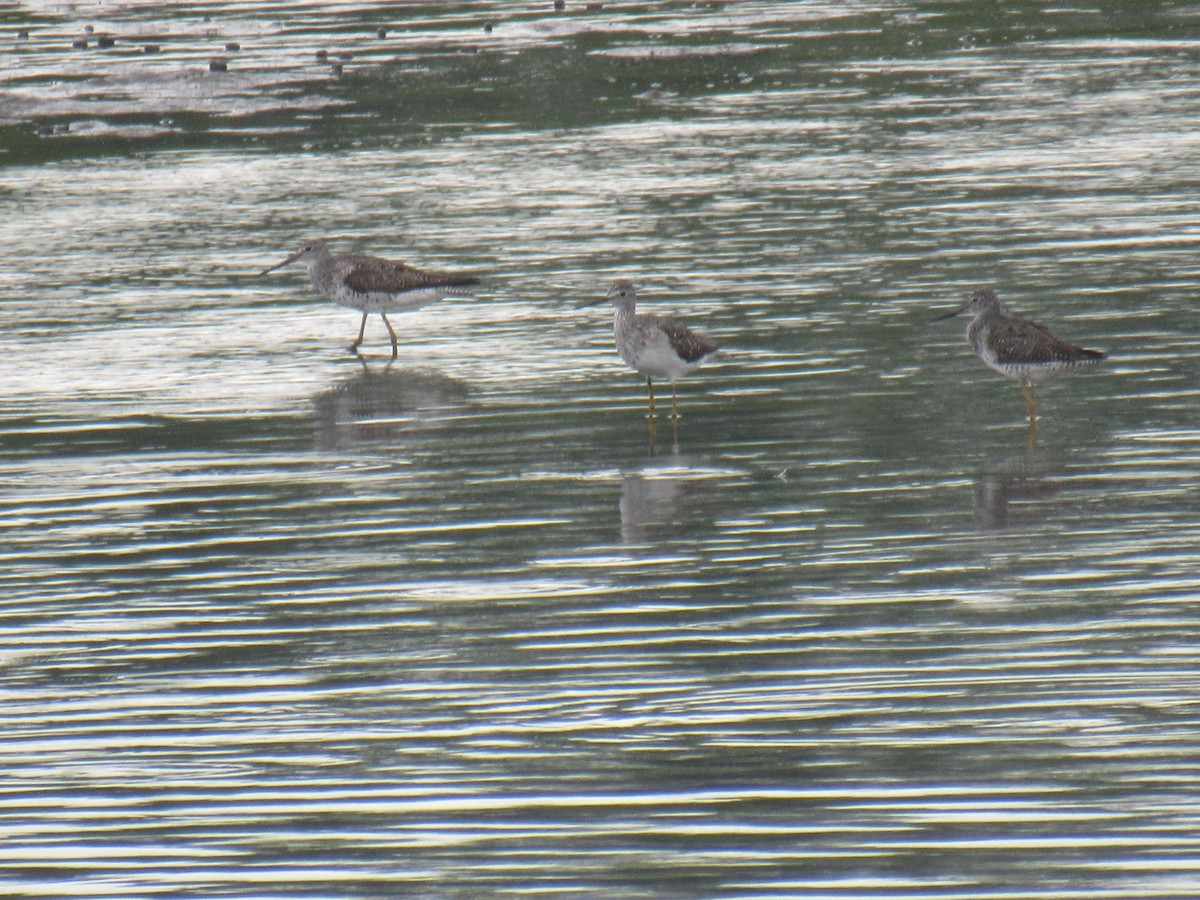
690,346
369,274
1020,341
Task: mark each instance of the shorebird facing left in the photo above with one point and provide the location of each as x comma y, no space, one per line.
655,346
372,284
1025,351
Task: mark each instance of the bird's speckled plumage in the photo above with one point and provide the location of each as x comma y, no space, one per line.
655,346
1025,351
372,284
1016,347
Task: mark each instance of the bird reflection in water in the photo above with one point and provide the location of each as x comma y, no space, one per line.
658,497
1020,489
386,405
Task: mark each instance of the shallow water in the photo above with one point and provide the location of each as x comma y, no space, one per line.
277,621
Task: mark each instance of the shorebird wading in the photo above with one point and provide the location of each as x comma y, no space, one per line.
1025,351
372,284
655,346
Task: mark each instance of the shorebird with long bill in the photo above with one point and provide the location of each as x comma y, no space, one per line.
373,284
655,346
1017,348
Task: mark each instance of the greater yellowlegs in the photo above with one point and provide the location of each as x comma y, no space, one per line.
1022,350
372,284
655,346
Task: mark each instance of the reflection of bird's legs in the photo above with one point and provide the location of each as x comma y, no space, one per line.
361,330
650,416
391,332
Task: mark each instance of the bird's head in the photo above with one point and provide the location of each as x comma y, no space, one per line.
307,251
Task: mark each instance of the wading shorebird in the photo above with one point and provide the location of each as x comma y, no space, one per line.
372,284
655,346
1017,348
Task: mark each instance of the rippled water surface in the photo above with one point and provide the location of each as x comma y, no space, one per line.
277,621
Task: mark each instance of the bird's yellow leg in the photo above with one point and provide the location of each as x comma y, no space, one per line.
362,328
391,332
1030,402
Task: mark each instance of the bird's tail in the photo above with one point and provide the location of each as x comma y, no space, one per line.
457,283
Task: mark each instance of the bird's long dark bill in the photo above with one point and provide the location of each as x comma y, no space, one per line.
587,303
949,315
290,259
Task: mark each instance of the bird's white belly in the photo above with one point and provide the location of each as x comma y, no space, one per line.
656,359
1031,373
379,301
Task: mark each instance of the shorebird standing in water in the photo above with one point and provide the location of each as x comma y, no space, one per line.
1025,351
655,346
372,284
